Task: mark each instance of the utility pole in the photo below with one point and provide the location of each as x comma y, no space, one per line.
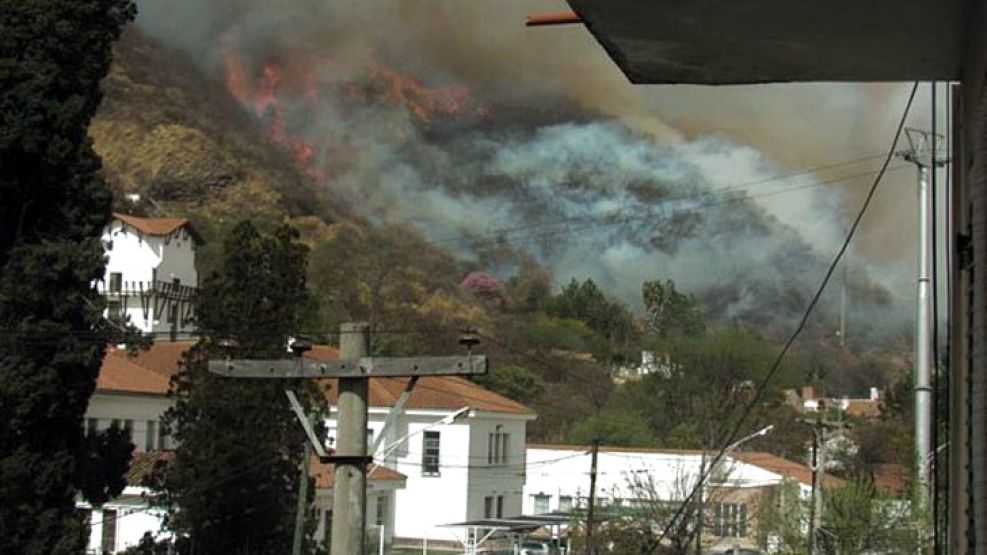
349,499
590,541
353,369
822,431
920,154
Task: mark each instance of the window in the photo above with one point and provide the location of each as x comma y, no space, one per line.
565,503
92,425
541,503
488,506
108,541
381,510
152,435
500,506
327,526
497,447
116,282
370,440
430,454
162,438
730,520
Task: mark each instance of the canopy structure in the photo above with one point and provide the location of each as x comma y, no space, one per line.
516,529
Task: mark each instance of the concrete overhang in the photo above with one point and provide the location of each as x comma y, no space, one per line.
719,42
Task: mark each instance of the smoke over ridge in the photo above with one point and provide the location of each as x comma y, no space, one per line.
483,134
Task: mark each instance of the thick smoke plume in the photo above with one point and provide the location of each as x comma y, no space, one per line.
454,117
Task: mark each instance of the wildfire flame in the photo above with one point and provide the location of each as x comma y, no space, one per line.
270,88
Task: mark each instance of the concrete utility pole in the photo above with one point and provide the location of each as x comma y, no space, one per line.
822,431
920,154
349,487
354,369
590,540
301,508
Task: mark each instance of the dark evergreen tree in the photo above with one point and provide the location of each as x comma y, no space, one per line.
53,206
232,486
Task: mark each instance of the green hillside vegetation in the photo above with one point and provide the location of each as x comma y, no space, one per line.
180,140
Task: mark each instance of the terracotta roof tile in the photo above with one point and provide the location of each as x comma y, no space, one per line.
149,371
323,474
433,392
152,226
785,467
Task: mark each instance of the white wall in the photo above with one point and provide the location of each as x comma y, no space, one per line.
133,518
140,409
565,472
465,477
141,258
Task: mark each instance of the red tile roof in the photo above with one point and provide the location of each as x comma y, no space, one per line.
785,467
143,464
323,473
159,227
440,392
149,372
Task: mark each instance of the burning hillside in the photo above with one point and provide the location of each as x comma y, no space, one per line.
403,132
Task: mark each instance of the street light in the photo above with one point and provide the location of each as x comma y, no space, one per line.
702,486
444,421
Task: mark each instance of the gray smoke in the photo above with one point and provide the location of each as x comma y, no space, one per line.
501,135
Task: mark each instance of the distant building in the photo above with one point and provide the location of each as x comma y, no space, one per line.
807,400
558,481
651,363
150,276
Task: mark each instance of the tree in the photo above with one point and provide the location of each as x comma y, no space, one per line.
669,312
514,382
614,427
610,320
232,486
53,207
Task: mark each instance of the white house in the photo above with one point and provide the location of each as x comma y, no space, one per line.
558,480
150,274
460,464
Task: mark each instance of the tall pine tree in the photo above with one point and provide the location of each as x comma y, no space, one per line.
53,207
232,486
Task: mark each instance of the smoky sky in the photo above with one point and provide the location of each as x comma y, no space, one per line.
556,154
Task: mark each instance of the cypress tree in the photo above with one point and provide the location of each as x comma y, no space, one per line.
232,487
53,207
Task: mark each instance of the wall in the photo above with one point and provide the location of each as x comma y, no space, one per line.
106,407
133,518
496,479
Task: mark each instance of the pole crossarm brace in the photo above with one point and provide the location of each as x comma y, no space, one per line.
368,367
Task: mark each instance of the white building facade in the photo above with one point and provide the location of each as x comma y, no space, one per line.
461,449
558,480
150,277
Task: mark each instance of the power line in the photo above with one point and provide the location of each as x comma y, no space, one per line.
762,385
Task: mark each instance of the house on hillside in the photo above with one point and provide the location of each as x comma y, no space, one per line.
150,276
808,400
558,481
461,447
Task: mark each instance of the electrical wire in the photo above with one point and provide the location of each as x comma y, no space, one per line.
773,369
